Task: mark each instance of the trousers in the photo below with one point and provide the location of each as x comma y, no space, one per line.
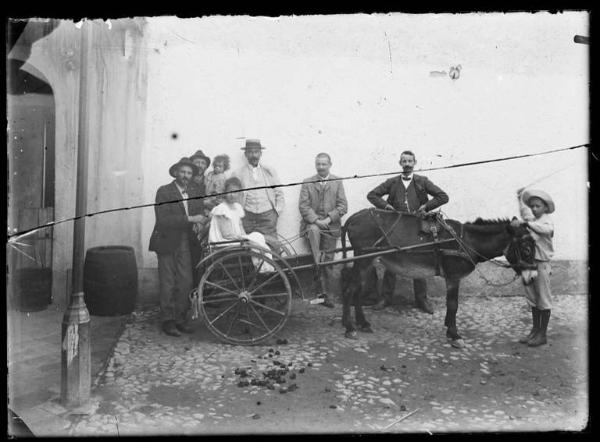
265,223
175,280
318,241
538,293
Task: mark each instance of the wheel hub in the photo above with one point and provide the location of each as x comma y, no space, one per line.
244,296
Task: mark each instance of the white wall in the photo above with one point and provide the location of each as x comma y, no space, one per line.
359,87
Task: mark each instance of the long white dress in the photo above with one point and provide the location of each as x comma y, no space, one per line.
226,225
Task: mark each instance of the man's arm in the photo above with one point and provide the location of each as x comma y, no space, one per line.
279,199
439,196
341,204
375,196
307,212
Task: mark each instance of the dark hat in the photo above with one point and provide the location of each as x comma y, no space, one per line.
185,161
200,154
252,144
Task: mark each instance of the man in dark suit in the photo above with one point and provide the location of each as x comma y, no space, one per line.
408,193
173,240
322,205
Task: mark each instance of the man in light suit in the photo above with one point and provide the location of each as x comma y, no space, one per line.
408,192
173,240
322,205
263,206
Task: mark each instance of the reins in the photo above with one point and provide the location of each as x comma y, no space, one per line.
465,247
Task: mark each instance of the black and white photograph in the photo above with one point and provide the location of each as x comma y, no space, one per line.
336,223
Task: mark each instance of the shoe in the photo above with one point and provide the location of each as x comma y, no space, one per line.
380,305
540,337
170,329
184,328
423,304
535,316
326,301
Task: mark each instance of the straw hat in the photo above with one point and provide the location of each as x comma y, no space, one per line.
535,193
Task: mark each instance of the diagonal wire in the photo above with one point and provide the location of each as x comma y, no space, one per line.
18,234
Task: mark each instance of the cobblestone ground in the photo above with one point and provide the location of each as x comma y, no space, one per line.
155,384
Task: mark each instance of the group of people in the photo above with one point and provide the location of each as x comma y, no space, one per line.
247,203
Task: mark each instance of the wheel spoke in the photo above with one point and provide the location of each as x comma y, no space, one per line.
269,295
247,322
223,312
214,284
256,273
262,284
237,314
242,272
260,318
229,274
212,300
267,307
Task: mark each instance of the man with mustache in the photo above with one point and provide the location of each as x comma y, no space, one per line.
262,206
408,193
172,240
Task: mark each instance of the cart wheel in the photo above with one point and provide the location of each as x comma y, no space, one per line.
241,304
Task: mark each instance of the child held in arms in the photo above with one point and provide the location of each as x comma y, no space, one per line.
536,207
226,224
215,181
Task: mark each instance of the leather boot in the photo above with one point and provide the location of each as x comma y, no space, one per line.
420,289
170,329
540,337
184,328
380,305
535,316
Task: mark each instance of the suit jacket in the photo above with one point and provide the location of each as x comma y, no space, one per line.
416,194
321,201
275,195
171,219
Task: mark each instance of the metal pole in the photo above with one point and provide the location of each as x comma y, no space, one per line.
76,380
371,255
44,168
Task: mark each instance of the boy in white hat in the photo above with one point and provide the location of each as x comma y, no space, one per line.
536,207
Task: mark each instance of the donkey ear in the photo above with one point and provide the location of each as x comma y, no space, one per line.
511,227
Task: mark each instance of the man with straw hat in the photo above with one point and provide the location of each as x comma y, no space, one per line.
172,241
536,207
264,205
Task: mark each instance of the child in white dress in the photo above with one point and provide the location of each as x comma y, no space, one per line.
226,224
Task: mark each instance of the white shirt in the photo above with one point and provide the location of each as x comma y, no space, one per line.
406,183
185,197
323,181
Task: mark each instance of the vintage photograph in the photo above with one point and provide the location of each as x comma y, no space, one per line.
298,224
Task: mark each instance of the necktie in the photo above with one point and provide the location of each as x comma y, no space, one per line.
406,179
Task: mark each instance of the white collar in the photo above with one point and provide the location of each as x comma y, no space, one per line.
410,177
323,179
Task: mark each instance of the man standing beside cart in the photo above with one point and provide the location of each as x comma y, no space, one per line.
322,205
408,193
262,206
177,209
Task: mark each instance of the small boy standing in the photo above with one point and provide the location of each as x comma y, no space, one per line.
536,207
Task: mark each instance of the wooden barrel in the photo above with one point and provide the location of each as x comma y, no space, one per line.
33,289
110,280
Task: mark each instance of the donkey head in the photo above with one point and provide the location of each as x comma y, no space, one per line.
520,251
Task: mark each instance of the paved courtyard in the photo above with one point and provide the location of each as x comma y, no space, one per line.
309,378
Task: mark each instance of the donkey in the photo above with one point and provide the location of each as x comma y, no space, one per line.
457,249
